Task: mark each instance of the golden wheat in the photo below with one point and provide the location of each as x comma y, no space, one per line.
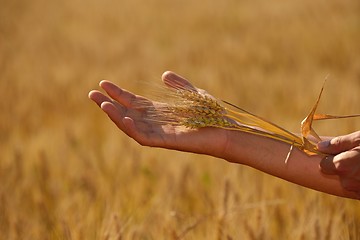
65,172
193,109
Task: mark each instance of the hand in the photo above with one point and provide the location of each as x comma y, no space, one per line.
346,162
130,115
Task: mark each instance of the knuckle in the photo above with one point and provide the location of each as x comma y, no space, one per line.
341,162
353,139
336,141
341,166
347,162
357,139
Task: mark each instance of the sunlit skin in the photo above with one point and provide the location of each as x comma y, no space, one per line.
345,159
126,110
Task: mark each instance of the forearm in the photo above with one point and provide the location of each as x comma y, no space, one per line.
268,155
127,111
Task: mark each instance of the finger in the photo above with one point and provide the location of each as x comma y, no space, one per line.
173,80
340,144
113,113
124,123
98,97
327,165
348,162
122,96
131,130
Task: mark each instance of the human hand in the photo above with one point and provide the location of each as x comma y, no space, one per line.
346,160
131,112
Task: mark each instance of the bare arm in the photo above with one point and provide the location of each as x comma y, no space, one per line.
268,155
264,154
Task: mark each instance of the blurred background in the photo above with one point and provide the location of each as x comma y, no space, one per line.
66,172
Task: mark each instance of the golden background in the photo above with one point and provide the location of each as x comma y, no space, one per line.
66,172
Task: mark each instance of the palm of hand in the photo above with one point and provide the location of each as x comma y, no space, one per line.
127,111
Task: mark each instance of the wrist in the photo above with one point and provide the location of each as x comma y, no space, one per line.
236,147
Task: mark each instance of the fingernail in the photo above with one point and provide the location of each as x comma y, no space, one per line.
323,144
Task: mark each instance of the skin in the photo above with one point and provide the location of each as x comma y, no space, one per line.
345,160
126,110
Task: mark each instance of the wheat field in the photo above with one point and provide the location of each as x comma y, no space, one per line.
66,172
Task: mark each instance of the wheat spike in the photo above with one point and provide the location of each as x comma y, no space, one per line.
193,110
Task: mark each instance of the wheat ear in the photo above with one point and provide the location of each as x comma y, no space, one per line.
193,110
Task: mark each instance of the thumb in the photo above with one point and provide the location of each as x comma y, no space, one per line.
340,144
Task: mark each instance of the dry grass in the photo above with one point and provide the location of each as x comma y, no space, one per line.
67,173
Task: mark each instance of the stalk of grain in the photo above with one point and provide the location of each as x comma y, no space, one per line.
193,110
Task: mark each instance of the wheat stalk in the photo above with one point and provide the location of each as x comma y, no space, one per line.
192,109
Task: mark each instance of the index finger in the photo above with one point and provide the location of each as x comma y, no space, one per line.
340,144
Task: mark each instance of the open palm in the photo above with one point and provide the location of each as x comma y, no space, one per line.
127,111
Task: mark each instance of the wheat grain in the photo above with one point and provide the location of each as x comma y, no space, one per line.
191,109
194,110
